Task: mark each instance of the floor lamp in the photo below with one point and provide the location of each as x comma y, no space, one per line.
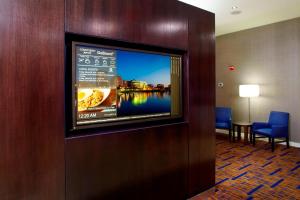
249,91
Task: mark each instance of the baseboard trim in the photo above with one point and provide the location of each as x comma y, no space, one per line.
292,144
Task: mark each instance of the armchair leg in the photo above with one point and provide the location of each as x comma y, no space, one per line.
230,134
287,142
269,140
253,140
273,144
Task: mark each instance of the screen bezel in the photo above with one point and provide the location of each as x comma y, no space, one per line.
71,63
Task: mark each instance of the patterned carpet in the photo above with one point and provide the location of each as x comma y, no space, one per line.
247,172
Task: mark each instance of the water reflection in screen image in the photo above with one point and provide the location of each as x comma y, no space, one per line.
140,103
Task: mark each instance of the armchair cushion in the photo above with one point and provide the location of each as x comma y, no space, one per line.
264,131
259,125
222,125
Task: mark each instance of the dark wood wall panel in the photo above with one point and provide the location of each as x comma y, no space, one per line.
168,162
201,101
32,99
153,174
140,164
148,21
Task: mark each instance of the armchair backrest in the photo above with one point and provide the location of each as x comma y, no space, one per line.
223,114
279,118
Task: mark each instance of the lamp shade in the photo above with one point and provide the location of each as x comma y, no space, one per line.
249,90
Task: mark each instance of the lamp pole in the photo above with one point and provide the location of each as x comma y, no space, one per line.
249,117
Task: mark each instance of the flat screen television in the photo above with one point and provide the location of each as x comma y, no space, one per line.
116,85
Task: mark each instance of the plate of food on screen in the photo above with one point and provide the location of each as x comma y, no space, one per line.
91,97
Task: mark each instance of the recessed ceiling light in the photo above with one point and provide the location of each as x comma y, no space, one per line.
234,7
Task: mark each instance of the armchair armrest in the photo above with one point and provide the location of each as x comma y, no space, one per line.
259,125
279,131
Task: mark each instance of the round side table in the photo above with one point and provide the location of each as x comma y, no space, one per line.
247,130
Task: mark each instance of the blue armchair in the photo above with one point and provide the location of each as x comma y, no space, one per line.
276,127
223,119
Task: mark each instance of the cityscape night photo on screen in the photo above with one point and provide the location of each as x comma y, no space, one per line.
143,83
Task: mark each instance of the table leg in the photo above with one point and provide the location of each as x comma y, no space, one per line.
246,135
237,129
233,133
239,132
250,134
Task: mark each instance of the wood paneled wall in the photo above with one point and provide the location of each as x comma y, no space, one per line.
141,164
32,99
201,101
173,161
148,21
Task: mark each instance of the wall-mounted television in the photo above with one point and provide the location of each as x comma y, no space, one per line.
119,85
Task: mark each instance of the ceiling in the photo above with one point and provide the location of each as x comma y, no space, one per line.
253,13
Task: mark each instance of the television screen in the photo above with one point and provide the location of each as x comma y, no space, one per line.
115,84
